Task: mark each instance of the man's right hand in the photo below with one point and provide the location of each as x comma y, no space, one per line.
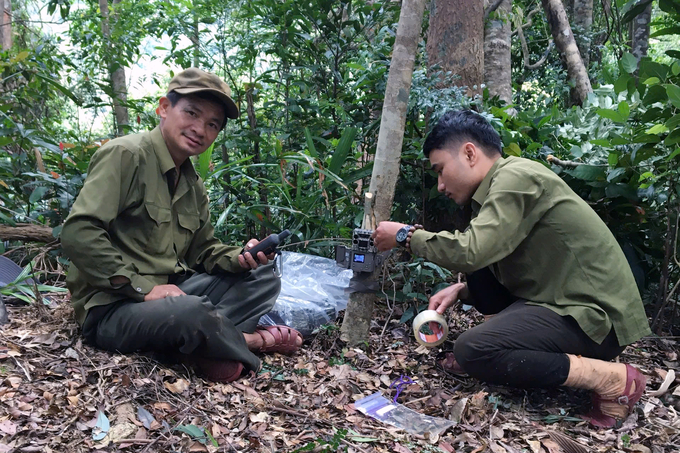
163,291
447,297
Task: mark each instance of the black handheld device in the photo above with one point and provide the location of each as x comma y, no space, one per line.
268,245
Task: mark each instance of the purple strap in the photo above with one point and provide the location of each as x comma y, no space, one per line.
400,384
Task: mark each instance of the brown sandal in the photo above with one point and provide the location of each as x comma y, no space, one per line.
598,418
285,339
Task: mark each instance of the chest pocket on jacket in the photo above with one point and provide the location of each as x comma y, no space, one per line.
188,223
160,238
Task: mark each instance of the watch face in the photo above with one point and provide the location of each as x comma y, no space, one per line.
402,234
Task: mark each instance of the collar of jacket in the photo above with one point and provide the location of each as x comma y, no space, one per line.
483,189
165,161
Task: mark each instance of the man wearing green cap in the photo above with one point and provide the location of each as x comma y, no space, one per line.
147,272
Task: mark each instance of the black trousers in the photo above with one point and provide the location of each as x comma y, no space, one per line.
208,321
523,345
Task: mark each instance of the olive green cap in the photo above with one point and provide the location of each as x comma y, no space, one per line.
194,80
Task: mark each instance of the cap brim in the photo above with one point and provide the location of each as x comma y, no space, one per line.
229,106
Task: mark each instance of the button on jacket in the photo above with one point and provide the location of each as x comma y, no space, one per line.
545,245
128,222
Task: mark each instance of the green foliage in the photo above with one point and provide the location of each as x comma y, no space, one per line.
26,288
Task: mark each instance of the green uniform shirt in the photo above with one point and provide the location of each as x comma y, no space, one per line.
545,245
126,222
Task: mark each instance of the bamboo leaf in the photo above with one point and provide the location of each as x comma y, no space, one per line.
342,150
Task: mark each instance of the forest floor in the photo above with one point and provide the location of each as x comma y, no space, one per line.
60,395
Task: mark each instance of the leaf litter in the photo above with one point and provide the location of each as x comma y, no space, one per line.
60,395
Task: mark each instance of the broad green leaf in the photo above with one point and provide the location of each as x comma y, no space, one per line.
673,154
645,176
613,159
650,68
673,138
342,150
513,149
629,62
621,190
621,83
656,93
193,431
613,115
674,30
635,11
673,92
600,142
673,122
652,81
624,109
37,194
675,69
588,172
657,129
21,56
615,173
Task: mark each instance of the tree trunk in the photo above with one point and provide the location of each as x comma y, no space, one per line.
583,22
455,40
6,24
358,315
26,232
639,33
497,61
195,39
116,72
566,44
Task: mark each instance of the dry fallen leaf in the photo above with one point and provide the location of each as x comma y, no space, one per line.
179,386
670,378
535,445
552,446
260,417
8,427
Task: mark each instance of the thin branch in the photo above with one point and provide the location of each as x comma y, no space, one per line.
563,163
491,9
529,22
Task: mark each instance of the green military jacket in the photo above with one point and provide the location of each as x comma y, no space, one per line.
545,245
125,222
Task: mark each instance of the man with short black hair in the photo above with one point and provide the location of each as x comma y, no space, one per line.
147,272
539,259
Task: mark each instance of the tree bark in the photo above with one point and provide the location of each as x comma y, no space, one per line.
497,61
357,321
566,44
455,41
116,72
26,232
583,22
6,24
639,33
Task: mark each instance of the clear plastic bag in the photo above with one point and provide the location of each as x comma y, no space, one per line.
312,292
400,416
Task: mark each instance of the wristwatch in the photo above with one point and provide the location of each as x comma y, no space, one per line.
402,235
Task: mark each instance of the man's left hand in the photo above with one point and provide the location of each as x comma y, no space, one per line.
247,261
385,236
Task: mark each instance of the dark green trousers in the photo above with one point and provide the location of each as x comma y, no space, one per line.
208,322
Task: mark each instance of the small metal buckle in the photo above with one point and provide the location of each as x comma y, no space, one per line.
622,400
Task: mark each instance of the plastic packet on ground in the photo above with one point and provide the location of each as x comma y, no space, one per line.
312,292
400,416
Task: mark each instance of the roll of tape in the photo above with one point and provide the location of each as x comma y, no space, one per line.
437,324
